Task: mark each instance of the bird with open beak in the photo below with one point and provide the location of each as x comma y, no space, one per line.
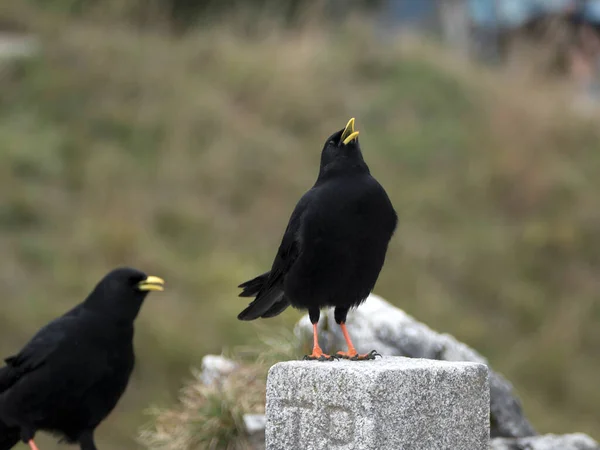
334,246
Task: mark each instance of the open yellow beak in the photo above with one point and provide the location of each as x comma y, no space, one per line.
152,283
348,135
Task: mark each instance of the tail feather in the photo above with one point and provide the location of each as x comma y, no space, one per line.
252,287
269,302
262,304
9,436
277,308
8,377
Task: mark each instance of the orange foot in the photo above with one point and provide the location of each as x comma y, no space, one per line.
318,355
354,356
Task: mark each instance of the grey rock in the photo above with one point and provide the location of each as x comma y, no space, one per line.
254,422
379,325
17,46
215,368
388,403
576,441
255,427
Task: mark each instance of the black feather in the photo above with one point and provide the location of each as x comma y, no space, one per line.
72,373
253,286
335,243
9,436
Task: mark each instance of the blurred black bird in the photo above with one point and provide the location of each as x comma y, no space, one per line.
334,246
71,375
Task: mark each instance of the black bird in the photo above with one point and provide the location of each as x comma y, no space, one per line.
334,246
71,375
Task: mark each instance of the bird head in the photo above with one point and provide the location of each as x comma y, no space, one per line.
341,152
122,291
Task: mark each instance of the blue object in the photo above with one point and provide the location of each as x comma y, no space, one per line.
512,13
410,11
494,14
591,11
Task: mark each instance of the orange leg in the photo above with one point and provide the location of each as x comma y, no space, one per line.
352,353
32,445
317,353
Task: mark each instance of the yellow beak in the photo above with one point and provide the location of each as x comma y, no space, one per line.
348,135
348,130
350,138
152,283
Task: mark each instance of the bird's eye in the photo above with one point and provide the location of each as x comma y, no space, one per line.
332,142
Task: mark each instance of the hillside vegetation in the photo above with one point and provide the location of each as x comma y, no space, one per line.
184,156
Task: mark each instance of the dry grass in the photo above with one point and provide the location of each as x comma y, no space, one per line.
184,157
211,416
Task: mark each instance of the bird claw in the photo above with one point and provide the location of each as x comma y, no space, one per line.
322,357
365,357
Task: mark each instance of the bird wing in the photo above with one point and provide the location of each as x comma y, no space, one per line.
45,342
270,299
35,353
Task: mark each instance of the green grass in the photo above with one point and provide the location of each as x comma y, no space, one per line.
185,156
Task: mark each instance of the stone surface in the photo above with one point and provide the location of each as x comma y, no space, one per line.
381,326
255,427
16,46
575,441
388,403
254,422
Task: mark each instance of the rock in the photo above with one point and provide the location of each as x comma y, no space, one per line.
17,46
215,368
379,325
575,441
255,427
388,403
254,422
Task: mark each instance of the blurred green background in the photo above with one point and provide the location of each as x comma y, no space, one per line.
135,137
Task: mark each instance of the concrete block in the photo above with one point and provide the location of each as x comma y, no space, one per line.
389,403
575,441
379,325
